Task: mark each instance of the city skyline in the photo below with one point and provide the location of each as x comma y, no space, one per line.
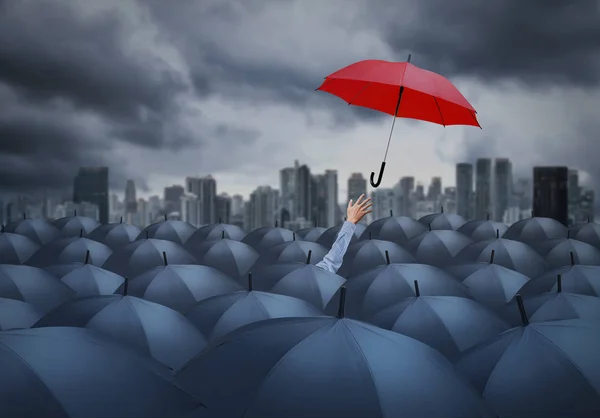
216,87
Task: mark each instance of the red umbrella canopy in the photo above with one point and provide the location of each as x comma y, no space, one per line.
401,89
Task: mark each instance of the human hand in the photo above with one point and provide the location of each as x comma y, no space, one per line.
356,211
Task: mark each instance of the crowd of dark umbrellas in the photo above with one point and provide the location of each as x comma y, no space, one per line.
436,317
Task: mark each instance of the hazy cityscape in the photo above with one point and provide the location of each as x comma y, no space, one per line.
484,190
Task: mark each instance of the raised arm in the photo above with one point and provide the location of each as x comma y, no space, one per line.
355,212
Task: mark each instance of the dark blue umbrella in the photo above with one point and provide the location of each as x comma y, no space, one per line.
115,236
311,234
511,254
70,250
588,232
583,280
141,256
539,370
88,280
307,282
494,286
38,230
234,258
328,237
15,248
292,252
33,285
462,271
381,287
265,277
443,221
168,230
181,286
563,252
449,324
554,306
437,248
262,238
483,230
72,226
217,231
327,367
398,229
217,316
15,314
536,229
76,373
150,328
365,255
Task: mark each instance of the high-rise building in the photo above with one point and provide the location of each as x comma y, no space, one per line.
205,188
287,185
223,205
332,208
91,186
551,193
404,196
262,208
586,206
523,189
574,196
319,199
303,194
383,203
190,209
464,190
172,198
237,205
357,185
483,188
435,190
130,197
503,181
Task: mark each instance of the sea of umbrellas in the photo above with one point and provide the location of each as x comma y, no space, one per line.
429,318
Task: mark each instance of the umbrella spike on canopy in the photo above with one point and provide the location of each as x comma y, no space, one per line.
165,216
74,212
315,224
147,235
391,213
521,305
220,220
342,305
276,224
121,220
370,235
2,230
81,233
293,236
223,234
568,234
497,233
87,257
125,286
487,217
492,254
308,256
250,282
559,283
417,291
572,258
165,262
24,215
429,226
441,209
387,256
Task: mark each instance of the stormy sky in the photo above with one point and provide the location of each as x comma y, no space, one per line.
160,90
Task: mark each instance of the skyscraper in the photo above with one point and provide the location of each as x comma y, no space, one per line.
464,190
130,197
502,187
357,185
319,199
205,188
332,205
435,190
172,198
223,208
404,196
91,186
574,196
287,186
303,193
237,205
551,193
383,203
483,188
261,209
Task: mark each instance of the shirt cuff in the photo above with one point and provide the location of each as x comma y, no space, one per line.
348,226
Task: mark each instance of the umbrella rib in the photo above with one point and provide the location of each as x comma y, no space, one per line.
360,92
439,110
476,121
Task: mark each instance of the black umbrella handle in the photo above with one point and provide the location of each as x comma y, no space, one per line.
381,170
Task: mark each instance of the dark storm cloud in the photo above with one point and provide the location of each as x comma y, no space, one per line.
540,42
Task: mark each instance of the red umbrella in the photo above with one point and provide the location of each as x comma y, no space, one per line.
402,90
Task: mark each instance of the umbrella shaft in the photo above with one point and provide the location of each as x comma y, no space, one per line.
387,148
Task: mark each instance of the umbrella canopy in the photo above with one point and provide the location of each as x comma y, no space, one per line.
292,252
217,316
381,287
181,286
483,230
328,237
437,248
72,226
511,254
217,231
368,254
311,234
234,258
262,238
70,250
494,286
88,280
306,282
76,373
398,229
16,314
265,277
462,271
535,230
554,306
583,280
115,236
443,221
562,252
545,369
140,256
15,248
449,324
327,368
168,230
150,328
38,230
33,285
587,232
